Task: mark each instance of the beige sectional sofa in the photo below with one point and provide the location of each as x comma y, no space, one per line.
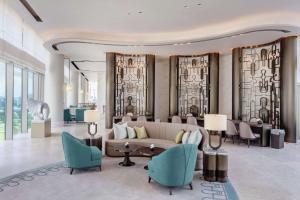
160,134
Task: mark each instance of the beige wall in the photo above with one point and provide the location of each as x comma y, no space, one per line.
161,109
225,85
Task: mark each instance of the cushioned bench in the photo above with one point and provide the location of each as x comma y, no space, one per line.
160,134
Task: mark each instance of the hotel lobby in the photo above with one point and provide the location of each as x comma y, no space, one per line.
190,99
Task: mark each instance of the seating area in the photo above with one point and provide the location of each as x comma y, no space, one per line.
144,100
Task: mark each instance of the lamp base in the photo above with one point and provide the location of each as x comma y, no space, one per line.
92,134
210,140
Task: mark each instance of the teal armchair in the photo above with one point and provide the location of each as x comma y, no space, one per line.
67,115
78,155
174,167
80,114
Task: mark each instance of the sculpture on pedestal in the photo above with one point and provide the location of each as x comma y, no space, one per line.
39,109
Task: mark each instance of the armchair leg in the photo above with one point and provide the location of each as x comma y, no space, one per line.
191,186
149,179
248,143
100,168
233,139
71,171
170,191
225,138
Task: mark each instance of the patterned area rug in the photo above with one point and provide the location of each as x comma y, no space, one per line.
113,182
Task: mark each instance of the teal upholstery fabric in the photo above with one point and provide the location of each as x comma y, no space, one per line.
80,114
67,115
78,155
175,166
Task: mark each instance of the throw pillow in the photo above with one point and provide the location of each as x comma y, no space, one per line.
195,137
141,132
185,137
131,133
178,138
120,131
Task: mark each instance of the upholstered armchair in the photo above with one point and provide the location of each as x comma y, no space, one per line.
141,119
247,134
174,167
231,131
78,155
67,115
126,118
80,114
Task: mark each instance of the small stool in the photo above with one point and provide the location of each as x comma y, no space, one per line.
209,165
222,166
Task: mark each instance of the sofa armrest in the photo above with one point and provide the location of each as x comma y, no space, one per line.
107,136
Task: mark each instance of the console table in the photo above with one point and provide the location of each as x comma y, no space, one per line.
117,119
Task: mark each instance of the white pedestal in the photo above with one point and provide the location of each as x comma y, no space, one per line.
41,128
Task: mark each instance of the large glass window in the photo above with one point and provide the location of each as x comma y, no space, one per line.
17,101
2,99
30,95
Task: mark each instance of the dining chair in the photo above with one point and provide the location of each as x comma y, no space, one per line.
231,131
176,119
192,121
247,134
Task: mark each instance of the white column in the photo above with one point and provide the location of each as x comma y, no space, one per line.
9,101
81,90
54,88
72,95
101,90
24,100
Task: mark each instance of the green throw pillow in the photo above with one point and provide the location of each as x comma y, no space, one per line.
141,132
179,135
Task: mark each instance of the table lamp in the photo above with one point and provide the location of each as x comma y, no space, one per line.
92,117
214,124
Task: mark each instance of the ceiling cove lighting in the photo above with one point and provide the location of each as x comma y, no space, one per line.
31,10
55,46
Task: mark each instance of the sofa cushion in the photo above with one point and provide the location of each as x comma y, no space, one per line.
120,131
141,132
195,137
145,142
131,133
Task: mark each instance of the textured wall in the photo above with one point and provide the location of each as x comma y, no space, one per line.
225,85
161,88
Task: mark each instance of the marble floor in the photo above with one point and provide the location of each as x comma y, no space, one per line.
256,173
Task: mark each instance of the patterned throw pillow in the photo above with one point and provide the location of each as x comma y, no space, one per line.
120,131
195,137
131,133
178,138
141,132
185,137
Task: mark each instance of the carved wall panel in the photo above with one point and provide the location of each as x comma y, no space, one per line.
130,85
260,84
193,85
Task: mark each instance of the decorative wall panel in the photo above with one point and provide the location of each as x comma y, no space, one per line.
260,84
130,85
193,85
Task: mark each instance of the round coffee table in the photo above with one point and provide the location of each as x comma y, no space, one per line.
126,150
148,152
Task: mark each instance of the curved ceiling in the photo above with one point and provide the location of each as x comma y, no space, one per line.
87,29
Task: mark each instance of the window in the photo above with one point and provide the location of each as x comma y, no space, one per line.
30,95
2,99
17,101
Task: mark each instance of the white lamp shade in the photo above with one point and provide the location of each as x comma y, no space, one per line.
91,116
214,122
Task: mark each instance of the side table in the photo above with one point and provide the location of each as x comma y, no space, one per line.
215,165
96,141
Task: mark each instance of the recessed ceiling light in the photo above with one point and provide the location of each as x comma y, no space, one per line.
140,12
129,13
199,4
186,6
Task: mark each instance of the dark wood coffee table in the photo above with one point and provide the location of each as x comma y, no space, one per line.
126,150
148,152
